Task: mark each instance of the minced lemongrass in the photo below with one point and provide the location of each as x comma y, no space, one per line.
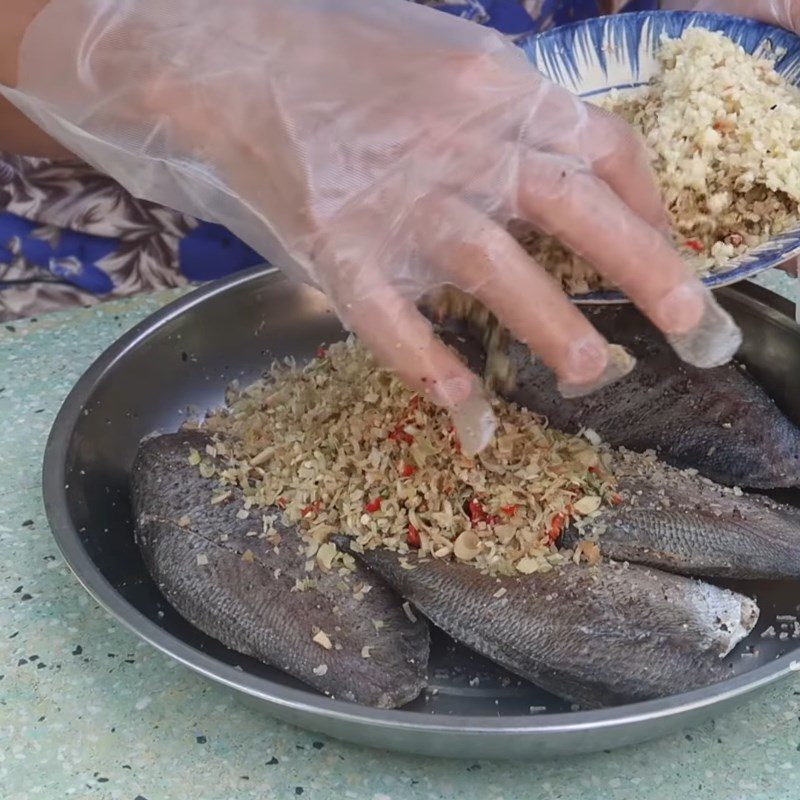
342,433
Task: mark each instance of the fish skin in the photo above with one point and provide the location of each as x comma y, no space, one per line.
685,524
681,412
595,636
244,606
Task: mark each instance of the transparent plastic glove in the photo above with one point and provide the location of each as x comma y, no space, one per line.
376,150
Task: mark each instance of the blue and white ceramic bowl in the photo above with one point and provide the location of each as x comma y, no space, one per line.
593,57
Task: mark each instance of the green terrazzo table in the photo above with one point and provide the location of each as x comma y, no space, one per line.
89,711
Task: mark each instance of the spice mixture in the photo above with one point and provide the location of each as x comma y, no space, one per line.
342,446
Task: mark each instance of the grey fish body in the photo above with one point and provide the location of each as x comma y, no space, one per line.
253,606
595,636
685,524
719,421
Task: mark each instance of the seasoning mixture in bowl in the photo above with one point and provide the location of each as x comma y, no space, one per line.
722,128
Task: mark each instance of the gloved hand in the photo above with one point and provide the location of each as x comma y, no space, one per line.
375,150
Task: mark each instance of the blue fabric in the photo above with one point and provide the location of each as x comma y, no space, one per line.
73,257
511,17
209,251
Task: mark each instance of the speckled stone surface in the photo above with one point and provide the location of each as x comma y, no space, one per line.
88,711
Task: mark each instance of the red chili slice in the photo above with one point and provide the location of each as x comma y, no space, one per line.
373,505
407,470
509,511
312,509
412,537
476,511
399,435
556,527
695,245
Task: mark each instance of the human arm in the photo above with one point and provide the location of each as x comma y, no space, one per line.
17,133
22,137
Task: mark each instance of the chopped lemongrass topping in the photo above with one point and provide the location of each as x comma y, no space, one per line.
352,450
322,639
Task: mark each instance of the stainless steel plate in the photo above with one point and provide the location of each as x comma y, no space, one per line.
181,359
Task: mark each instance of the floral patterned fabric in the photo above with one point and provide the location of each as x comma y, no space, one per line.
69,235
